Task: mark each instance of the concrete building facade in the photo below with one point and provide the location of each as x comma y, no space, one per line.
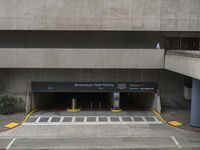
101,41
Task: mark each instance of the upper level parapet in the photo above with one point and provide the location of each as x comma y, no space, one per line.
185,53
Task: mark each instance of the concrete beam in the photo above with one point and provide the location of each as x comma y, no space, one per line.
184,64
81,58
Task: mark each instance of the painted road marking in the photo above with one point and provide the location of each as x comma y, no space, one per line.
176,142
10,144
95,143
62,119
85,120
37,120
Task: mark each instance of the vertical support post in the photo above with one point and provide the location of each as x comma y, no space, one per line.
73,103
28,103
195,106
157,103
116,101
73,107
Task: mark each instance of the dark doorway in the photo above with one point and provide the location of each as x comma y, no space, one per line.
63,100
136,101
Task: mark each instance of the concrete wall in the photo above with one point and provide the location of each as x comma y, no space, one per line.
81,58
17,81
186,65
159,15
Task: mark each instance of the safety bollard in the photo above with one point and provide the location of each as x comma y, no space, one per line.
73,103
73,107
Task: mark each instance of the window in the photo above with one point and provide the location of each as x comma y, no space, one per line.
182,43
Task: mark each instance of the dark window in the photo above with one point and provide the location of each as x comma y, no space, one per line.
182,43
190,44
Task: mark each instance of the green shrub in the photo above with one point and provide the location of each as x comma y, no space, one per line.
7,104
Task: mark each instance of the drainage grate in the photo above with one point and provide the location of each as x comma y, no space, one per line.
44,119
114,119
138,119
79,119
91,119
55,119
67,119
149,119
103,119
126,119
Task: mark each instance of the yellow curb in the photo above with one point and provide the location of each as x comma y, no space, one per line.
73,110
158,115
172,123
27,117
116,110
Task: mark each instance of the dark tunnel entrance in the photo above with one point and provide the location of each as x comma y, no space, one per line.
59,101
94,96
136,101
92,101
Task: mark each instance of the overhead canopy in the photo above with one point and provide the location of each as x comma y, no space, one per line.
94,86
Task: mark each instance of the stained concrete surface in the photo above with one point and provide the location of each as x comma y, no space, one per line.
4,143
182,116
108,136
85,143
163,15
94,137
81,58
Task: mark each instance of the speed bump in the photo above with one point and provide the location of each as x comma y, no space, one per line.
11,125
175,123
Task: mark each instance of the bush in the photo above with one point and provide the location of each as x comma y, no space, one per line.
7,104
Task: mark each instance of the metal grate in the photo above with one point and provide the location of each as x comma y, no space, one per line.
138,119
67,119
43,119
73,120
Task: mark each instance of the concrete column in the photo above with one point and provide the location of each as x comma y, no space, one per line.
28,104
156,102
195,107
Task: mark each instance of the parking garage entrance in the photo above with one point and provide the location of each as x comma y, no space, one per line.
93,96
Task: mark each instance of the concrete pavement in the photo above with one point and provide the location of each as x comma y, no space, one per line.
106,136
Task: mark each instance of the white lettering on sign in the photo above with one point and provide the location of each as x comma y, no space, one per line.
88,85
108,85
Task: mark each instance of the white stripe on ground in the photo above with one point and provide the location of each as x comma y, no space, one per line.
10,144
61,119
156,118
85,122
176,142
37,120
49,120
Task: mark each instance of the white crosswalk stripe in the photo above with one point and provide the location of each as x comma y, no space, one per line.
91,120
